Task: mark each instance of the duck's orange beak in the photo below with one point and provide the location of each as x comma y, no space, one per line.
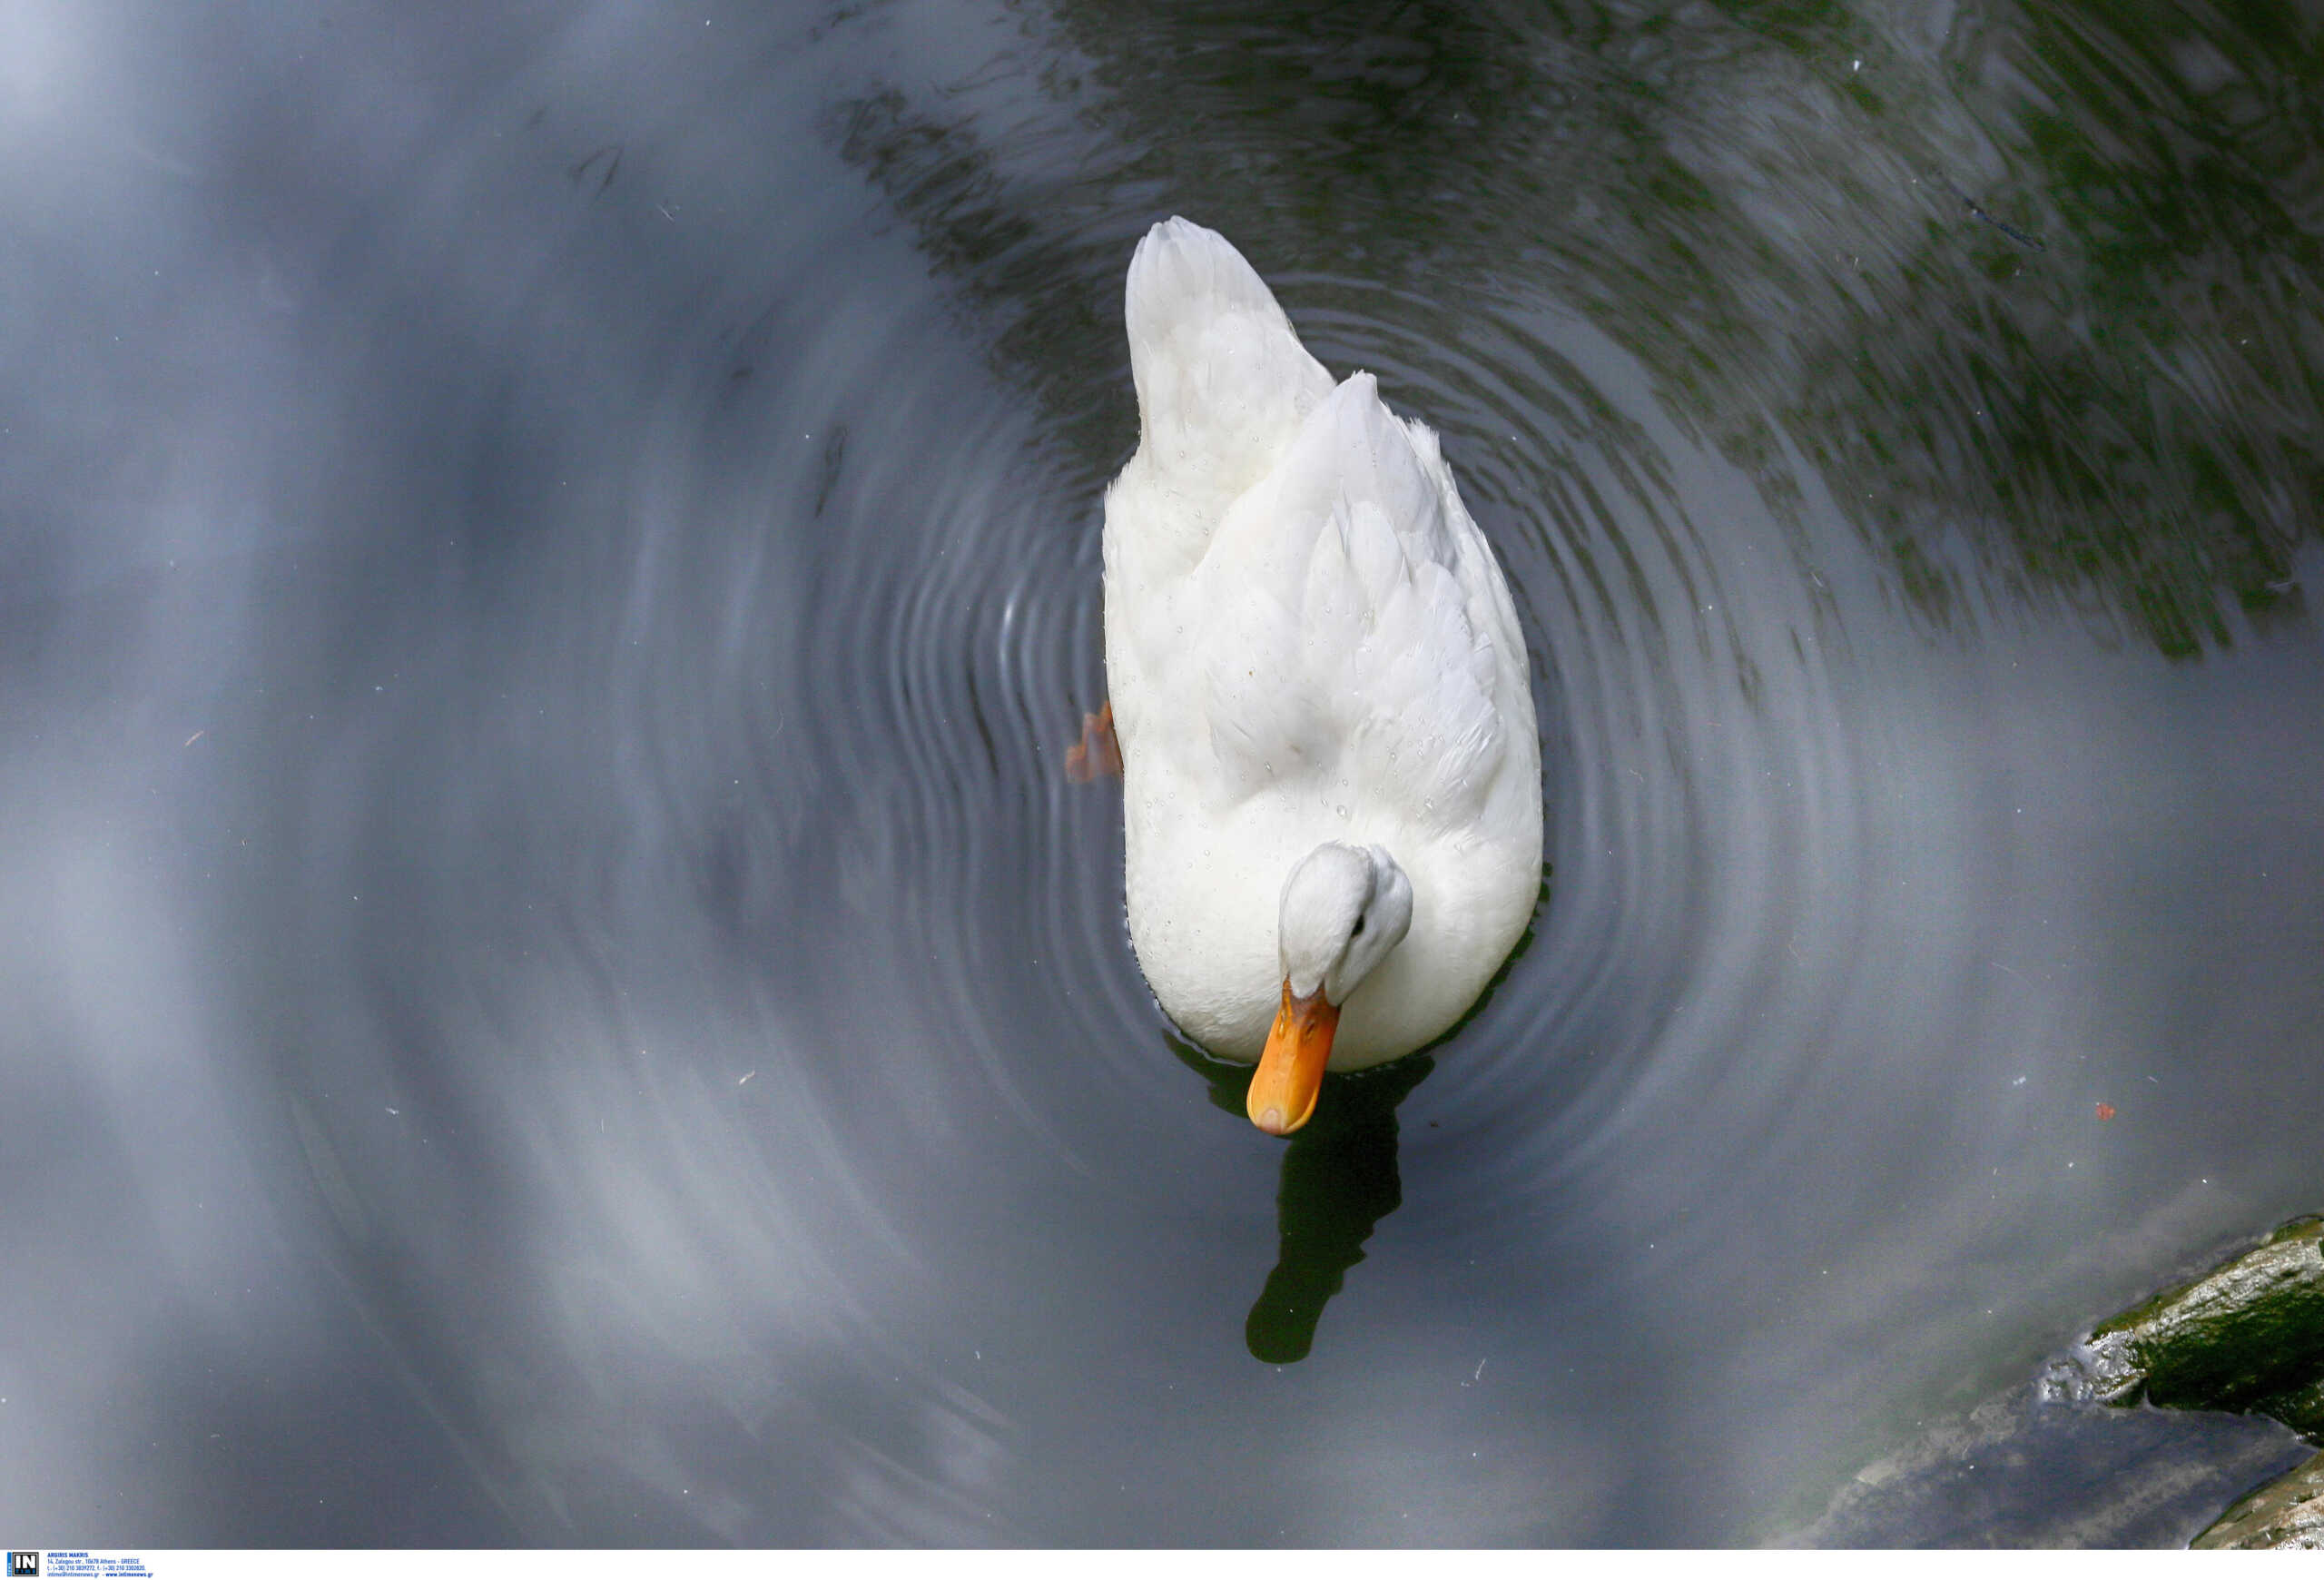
1291,1070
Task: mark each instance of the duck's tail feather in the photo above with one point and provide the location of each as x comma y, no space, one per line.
1223,382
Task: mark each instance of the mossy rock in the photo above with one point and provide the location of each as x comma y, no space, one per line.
2286,1513
2248,1336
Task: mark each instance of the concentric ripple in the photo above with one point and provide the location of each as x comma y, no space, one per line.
546,858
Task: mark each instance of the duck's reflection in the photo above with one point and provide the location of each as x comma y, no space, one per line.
1339,1181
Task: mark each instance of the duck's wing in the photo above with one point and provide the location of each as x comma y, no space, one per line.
1350,633
1223,382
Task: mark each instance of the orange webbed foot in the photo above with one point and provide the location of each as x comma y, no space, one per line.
1096,753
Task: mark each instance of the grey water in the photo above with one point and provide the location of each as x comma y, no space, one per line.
560,992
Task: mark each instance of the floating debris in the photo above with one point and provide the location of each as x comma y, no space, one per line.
2004,226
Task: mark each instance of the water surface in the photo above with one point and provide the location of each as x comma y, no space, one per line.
548,569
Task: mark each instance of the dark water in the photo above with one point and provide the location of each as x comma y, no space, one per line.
549,564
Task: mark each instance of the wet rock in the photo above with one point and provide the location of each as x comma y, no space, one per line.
2029,1470
2247,1338
2286,1513
2135,1436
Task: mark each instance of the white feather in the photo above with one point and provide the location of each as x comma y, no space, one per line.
1307,639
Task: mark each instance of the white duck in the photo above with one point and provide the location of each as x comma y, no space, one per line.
1332,780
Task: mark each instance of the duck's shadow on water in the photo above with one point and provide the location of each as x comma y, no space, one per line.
1339,1172
1339,1181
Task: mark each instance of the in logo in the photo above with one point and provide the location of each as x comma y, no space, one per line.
23,1564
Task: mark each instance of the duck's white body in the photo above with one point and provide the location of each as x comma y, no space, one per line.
1307,640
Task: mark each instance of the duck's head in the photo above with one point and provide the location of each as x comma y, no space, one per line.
1344,907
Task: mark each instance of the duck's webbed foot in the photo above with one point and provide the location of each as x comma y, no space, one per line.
1096,753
